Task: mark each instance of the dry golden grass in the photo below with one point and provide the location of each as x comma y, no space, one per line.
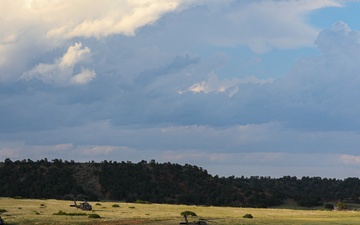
41,212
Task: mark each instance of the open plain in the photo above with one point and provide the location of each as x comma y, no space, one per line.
43,212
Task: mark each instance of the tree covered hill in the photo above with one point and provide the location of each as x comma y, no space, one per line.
164,183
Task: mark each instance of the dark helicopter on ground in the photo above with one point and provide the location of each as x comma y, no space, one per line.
83,205
185,214
199,222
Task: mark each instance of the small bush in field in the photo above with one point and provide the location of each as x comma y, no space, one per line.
94,216
329,206
116,205
249,216
3,210
142,202
18,197
61,213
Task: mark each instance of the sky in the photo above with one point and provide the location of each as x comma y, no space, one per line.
237,87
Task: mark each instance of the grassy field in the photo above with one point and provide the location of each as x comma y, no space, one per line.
41,212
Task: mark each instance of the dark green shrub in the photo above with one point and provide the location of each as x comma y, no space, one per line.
249,216
116,205
94,216
97,204
3,210
18,197
61,213
76,214
329,206
309,201
142,202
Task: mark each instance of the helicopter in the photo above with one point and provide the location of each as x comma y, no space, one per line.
83,205
185,214
199,222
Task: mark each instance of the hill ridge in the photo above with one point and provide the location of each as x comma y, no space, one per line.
164,183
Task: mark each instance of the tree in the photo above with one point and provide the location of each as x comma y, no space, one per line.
341,205
185,214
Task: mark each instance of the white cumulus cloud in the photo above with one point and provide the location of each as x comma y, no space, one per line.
32,28
61,72
121,17
85,76
228,86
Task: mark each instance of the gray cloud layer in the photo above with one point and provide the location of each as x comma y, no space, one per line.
138,84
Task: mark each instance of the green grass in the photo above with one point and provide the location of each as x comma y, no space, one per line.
21,211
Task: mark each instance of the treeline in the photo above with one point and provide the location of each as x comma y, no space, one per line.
164,183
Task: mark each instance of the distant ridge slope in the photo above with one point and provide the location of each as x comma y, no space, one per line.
164,183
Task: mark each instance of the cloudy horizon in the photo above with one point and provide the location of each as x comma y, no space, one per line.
243,88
